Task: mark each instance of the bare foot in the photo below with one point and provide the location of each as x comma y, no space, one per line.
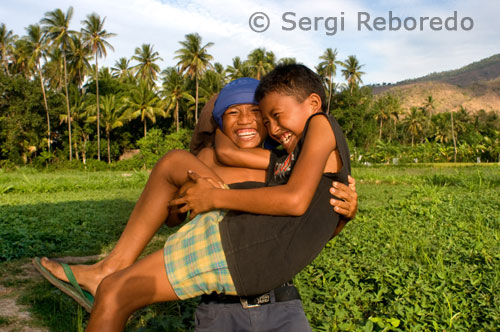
87,276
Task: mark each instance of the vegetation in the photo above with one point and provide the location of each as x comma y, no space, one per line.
54,103
421,255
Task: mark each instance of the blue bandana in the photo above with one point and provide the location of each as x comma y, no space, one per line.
239,91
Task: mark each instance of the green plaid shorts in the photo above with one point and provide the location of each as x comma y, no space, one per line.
194,258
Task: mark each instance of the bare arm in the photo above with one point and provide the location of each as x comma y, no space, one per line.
292,198
230,154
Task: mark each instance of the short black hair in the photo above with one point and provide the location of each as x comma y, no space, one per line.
292,80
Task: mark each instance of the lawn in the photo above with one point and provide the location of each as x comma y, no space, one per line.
423,253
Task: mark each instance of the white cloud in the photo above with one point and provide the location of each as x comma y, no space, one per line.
387,56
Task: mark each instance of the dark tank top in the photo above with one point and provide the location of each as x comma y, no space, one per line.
264,251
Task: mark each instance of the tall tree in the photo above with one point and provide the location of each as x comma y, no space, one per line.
37,44
95,36
174,91
113,116
328,68
352,72
145,103
261,62
56,26
7,39
121,70
146,70
239,69
414,122
78,61
194,60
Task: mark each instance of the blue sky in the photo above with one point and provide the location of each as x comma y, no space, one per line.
387,56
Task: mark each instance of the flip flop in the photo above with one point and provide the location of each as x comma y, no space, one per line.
72,289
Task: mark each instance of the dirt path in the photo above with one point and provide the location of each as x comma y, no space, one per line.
15,317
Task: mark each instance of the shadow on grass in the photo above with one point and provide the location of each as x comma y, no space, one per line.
77,228
64,228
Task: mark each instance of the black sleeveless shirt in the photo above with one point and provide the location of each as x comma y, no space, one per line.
264,251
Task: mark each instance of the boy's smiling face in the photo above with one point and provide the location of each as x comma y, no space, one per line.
285,117
242,123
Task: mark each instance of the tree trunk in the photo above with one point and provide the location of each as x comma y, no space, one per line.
145,129
5,63
380,131
177,114
109,149
196,109
454,140
329,93
46,106
98,111
67,106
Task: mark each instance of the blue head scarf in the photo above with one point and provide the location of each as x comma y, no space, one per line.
239,91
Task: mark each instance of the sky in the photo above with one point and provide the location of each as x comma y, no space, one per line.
469,30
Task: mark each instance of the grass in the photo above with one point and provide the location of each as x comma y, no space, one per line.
422,254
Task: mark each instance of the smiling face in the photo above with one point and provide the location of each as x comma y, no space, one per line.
243,125
285,117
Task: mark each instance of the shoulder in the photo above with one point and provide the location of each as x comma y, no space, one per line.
207,156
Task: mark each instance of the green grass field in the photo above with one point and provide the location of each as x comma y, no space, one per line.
423,253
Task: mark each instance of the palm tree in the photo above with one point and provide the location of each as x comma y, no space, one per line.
144,103
7,39
328,68
174,90
146,70
37,45
53,69
414,122
261,62
121,70
287,61
78,61
351,71
95,36
21,58
56,26
239,69
113,116
194,60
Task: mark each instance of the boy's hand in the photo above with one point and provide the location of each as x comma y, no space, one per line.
196,197
347,205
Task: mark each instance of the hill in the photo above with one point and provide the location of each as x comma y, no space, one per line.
475,87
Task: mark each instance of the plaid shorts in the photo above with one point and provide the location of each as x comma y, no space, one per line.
194,258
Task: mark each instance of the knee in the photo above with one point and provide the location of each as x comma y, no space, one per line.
172,160
107,294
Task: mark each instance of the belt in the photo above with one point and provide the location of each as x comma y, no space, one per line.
286,292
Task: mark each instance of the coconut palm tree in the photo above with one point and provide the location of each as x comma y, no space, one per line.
328,68
351,71
121,70
261,62
78,61
7,39
146,70
37,46
53,69
56,26
287,61
144,103
193,61
174,91
414,122
113,114
94,37
238,69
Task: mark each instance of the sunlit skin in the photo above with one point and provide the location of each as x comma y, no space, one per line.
243,125
122,286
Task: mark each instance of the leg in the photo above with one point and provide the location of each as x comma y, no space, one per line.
150,212
123,292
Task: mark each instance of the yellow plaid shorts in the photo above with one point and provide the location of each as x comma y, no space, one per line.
194,258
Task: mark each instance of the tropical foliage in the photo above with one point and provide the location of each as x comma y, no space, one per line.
52,85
